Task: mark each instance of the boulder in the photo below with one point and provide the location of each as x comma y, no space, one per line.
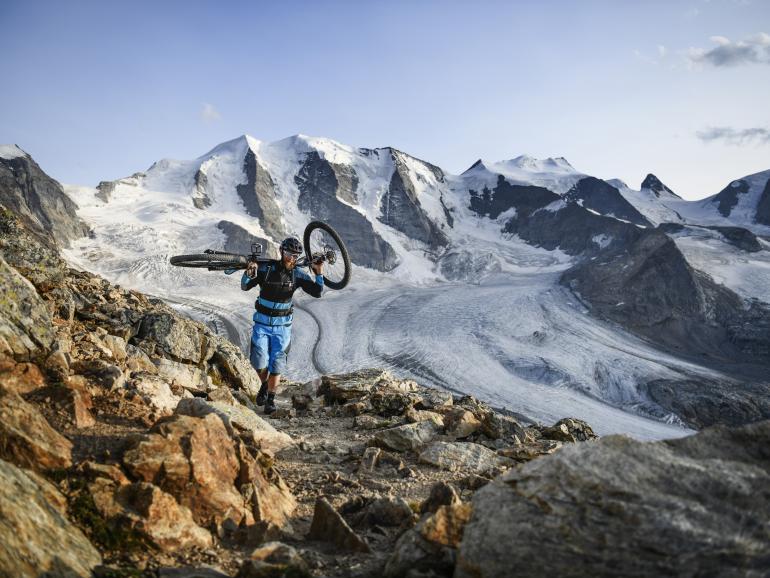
413,415
233,367
20,378
184,375
384,511
569,430
406,437
454,456
328,526
274,559
524,452
196,460
147,510
692,506
372,422
265,435
431,399
370,459
460,423
75,401
155,392
181,339
389,402
117,347
441,494
431,546
25,323
36,538
344,387
26,438
138,360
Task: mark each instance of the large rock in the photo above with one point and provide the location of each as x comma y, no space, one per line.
234,414
148,511
344,387
25,324
181,339
196,460
26,438
184,375
407,437
36,539
454,456
692,506
233,366
431,546
328,526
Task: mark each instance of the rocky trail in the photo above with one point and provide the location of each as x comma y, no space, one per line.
130,446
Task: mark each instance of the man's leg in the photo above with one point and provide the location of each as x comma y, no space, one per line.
258,356
280,343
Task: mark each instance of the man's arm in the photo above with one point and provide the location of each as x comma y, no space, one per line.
313,286
252,276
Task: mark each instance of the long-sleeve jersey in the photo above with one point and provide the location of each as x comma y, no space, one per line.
277,286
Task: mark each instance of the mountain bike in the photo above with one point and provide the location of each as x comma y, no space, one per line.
321,242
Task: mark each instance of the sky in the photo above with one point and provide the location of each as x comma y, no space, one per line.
99,90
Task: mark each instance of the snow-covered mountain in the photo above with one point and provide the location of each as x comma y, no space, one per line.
526,282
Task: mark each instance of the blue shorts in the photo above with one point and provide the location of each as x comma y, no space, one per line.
270,347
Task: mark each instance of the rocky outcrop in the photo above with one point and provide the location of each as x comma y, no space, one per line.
238,240
26,438
329,526
762,215
323,186
25,323
727,198
36,538
652,290
258,196
199,463
400,207
696,505
739,237
599,196
654,184
544,219
38,200
201,198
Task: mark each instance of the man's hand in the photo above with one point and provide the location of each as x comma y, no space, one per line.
318,268
251,269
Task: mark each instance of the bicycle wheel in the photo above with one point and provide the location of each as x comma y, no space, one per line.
211,261
321,238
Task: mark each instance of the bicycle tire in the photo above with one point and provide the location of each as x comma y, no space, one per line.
214,261
340,249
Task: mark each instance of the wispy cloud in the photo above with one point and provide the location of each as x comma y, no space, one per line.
738,137
209,113
752,50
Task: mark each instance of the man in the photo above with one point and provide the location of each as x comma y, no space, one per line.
271,337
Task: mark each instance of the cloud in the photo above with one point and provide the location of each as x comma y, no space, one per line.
753,50
738,137
209,113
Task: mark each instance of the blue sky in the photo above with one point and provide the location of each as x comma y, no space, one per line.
99,90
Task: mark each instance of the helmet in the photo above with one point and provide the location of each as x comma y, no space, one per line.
291,245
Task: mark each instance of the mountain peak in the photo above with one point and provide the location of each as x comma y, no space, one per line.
11,151
654,184
532,164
